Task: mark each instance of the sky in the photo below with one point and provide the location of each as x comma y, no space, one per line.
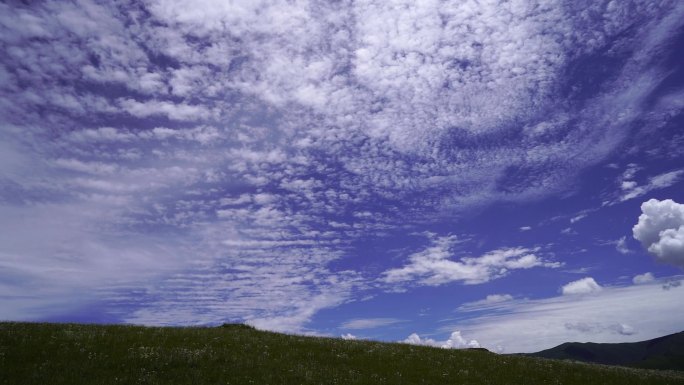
504,174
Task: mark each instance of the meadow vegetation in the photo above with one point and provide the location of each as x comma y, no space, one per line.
39,353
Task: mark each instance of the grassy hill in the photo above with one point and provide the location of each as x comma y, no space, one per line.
661,353
235,354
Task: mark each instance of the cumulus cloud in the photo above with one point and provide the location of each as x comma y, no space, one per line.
433,266
660,230
581,286
348,336
455,341
670,247
643,278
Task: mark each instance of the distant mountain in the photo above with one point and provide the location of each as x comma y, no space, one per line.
661,353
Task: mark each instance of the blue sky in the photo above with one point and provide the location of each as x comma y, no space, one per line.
506,174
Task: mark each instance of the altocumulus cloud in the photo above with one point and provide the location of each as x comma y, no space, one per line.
197,165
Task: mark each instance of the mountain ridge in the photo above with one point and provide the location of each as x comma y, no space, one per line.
665,353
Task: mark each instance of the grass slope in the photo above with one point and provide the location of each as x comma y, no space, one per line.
91,354
661,353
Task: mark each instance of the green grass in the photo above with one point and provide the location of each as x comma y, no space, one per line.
91,354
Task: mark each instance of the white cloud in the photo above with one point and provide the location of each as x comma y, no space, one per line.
86,167
578,218
633,190
368,323
180,111
630,172
455,341
339,90
471,68
265,295
624,329
201,134
621,246
101,134
628,185
670,247
495,298
643,278
598,328
661,230
348,336
433,266
62,256
581,286
568,231
615,314
268,243
525,228
237,201
491,299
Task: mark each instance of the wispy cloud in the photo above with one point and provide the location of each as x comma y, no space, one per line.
368,323
633,190
615,314
621,246
491,299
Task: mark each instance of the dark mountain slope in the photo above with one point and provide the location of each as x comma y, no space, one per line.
660,353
